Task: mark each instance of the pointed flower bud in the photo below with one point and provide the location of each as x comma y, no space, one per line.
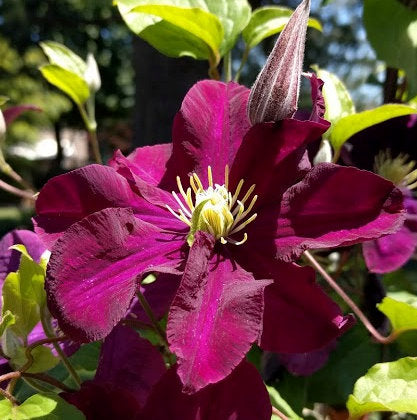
92,75
274,95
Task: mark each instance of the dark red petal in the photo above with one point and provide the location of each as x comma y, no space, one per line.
241,396
299,317
274,96
68,198
93,270
149,162
104,402
334,206
208,130
263,151
10,114
215,317
131,362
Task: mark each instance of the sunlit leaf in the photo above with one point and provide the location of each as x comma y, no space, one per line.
45,406
268,21
392,31
24,295
63,57
346,127
43,359
70,83
7,319
386,387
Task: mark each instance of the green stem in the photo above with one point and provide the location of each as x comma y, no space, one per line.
227,66
242,63
91,127
213,70
8,170
16,191
50,333
146,307
30,377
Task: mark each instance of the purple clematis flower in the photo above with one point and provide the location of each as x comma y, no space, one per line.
229,205
387,148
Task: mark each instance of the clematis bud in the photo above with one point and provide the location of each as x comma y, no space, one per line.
92,75
274,95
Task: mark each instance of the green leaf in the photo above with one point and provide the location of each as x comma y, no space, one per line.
346,127
43,359
268,21
392,31
278,402
402,311
386,387
175,28
40,406
24,294
70,83
3,99
339,104
7,319
234,16
63,57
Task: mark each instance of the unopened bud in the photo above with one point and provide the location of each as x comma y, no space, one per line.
2,126
92,75
274,96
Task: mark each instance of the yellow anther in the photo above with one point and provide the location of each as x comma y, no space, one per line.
226,177
210,176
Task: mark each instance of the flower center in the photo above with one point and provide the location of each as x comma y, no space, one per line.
214,209
398,170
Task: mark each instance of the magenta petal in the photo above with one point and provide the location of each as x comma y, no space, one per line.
241,396
93,270
68,198
149,162
299,317
319,106
10,259
391,252
131,362
208,129
334,206
265,149
215,317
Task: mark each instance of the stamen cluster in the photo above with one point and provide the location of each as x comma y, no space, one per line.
398,170
214,209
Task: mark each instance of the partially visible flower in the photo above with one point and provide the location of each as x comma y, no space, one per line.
253,205
389,150
92,74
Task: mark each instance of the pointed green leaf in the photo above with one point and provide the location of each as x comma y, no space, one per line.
24,294
346,127
268,21
40,406
70,83
386,387
402,311
63,57
171,28
392,31
3,99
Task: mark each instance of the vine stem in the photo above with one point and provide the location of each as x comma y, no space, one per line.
227,67
352,305
9,396
91,127
16,191
242,63
50,333
279,413
147,308
8,170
